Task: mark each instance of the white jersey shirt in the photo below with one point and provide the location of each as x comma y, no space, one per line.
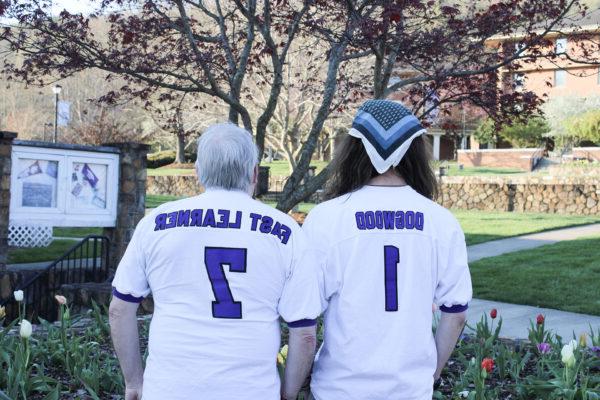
222,268
387,254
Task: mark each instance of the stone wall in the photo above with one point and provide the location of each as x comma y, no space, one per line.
589,153
131,204
569,195
508,158
543,194
182,185
6,139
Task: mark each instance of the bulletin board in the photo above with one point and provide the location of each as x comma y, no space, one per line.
64,187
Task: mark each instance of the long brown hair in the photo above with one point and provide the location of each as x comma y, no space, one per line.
352,168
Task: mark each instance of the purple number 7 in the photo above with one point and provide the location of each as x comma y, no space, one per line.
391,258
215,258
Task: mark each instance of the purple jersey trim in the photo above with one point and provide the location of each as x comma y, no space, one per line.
303,323
458,308
126,297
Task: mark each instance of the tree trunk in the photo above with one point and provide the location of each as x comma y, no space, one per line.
180,155
294,190
303,192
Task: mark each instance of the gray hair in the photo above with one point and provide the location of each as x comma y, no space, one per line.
227,156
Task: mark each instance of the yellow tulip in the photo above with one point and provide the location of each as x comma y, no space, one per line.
583,340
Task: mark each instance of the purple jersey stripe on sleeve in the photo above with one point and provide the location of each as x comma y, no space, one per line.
454,309
302,323
126,297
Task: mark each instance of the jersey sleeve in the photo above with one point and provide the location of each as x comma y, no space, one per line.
300,304
454,291
130,282
326,270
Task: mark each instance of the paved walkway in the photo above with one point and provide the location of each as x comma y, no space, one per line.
67,238
515,317
525,242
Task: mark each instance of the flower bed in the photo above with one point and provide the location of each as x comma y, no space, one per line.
73,359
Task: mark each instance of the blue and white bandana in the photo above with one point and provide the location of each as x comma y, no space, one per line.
386,129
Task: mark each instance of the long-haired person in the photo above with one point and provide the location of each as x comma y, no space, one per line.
388,252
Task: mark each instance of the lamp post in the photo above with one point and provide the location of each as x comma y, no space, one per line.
56,90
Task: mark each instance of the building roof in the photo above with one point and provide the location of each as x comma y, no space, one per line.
571,24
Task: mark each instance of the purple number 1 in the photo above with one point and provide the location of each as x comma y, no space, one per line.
391,258
215,258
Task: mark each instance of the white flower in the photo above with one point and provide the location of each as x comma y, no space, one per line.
26,329
18,295
464,394
568,357
573,343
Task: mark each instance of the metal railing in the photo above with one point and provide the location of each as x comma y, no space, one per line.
87,261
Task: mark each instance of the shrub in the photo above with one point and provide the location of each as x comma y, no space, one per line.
585,126
518,134
166,157
160,159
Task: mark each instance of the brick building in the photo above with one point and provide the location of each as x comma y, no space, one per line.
562,76
546,78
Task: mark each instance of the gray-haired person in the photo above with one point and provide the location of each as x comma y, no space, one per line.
222,269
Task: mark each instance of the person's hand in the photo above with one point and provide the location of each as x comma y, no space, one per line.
133,393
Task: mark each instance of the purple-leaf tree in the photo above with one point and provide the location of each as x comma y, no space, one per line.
431,54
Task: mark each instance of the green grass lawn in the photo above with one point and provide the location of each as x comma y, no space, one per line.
562,276
453,170
155,200
483,226
281,167
38,254
75,232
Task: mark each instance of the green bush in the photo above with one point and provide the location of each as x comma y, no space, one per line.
160,159
166,157
585,126
519,134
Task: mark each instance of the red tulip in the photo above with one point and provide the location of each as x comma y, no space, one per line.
488,365
494,313
540,319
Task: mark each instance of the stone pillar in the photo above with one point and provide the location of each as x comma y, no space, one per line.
6,139
131,203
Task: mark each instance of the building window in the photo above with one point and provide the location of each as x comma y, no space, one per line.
518,81
561,46
560,77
